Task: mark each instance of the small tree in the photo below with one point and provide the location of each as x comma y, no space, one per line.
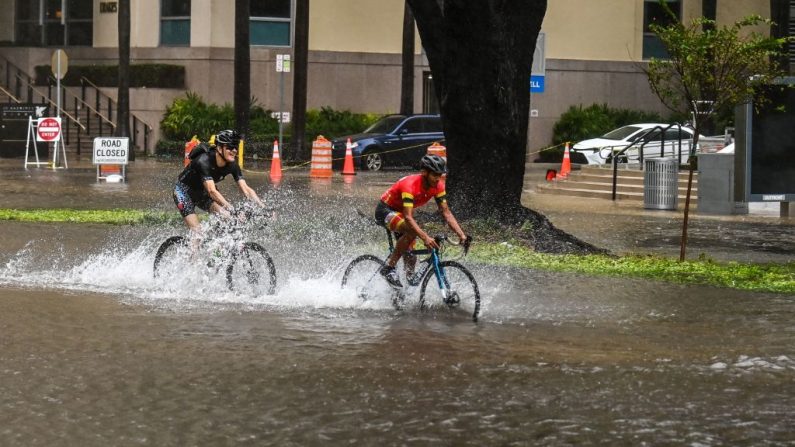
709,65
710,70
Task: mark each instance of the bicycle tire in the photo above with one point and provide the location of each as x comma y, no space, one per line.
362,276
463,291
250,282
172,243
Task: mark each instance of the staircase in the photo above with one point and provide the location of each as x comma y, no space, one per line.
86,112
592,181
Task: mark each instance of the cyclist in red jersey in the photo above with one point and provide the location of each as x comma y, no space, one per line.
395,211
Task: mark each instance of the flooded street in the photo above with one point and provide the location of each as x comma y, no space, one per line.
95,351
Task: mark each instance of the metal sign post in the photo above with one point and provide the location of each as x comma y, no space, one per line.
59,64
282,67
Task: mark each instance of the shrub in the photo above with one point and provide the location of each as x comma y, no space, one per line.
141,75
580,123
190,115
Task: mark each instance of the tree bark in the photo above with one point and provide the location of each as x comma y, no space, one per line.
481,54
300,75
242,91
407,78
123,103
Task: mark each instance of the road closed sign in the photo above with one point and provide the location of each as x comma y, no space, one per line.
111,151
48,129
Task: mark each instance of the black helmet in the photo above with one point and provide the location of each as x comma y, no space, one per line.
434,163
227,138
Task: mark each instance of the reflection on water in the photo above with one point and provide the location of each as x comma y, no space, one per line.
94,351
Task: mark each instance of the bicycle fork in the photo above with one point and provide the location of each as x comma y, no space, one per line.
440,278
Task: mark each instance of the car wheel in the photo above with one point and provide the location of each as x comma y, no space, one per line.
372,161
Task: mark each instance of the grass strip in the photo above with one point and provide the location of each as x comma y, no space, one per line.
778,278
112,217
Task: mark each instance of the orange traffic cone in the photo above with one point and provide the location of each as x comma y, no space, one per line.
348,168
276,164
565,167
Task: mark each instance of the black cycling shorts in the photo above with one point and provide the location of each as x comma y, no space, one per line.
187,199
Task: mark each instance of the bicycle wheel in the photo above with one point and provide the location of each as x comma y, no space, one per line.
362,277
251,271
459,291
172,256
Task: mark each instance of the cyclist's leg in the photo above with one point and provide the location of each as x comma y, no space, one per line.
186,204
404,242
395,222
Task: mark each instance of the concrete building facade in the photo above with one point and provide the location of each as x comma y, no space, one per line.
594,51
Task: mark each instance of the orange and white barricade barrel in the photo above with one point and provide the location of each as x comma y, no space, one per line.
321,158
189,147
437,149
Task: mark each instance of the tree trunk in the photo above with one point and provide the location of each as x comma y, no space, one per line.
481,54
242,93
300,73
407,78
123,103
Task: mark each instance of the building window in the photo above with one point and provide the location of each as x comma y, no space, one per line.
175,23
654,13
45,23
270,22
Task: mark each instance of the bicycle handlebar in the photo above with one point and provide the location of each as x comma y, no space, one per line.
465,244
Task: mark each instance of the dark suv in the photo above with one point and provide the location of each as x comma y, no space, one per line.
394,140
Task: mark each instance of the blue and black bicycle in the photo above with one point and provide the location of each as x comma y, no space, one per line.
456,287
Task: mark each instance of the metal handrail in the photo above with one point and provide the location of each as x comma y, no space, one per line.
10,95
86,105
644,138
97,93
75,121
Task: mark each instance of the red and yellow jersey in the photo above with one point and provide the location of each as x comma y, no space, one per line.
409,193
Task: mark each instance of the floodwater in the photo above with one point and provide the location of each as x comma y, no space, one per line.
95,351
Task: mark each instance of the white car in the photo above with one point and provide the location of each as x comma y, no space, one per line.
598,151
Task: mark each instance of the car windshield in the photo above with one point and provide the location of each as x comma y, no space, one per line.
385,124
621,133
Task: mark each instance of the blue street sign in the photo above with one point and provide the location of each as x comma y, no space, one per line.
536,84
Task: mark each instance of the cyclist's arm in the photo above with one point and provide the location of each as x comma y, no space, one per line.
249,192
215,195
408,213
444,210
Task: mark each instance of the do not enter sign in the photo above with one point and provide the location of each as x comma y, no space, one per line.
48,129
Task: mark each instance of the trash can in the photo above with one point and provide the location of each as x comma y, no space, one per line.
660,183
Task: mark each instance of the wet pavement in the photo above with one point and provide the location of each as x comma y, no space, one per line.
95,351
621,227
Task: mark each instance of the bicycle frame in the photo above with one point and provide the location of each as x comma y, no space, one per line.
431,262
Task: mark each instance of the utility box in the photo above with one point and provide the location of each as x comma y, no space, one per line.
660,183
716,184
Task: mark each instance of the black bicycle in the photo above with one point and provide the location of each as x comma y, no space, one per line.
456,285
247,266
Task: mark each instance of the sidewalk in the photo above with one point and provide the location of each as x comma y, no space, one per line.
621,227
625,226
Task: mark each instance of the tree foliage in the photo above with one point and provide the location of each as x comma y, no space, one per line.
712,67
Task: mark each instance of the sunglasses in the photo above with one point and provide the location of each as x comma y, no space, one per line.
231,148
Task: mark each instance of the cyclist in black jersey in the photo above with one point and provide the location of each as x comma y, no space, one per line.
196,184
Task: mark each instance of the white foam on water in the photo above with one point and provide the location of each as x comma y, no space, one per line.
116,270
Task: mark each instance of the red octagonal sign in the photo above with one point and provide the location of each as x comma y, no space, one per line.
48,129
